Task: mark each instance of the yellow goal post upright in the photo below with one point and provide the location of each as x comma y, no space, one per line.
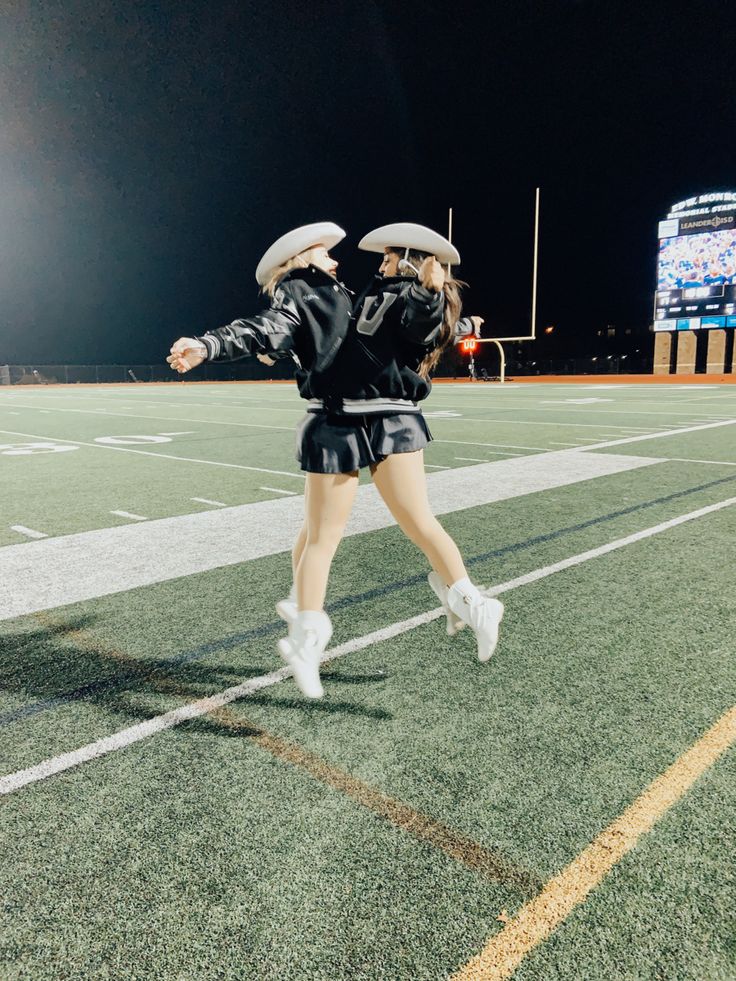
533,327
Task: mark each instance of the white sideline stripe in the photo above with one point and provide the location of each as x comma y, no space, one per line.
164,456
128,514
188,432
193,710
204,500
279,490
37,576
28,532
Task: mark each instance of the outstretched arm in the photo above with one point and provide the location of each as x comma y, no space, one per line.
269,333
468,327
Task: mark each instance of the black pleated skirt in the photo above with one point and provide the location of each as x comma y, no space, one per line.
328,442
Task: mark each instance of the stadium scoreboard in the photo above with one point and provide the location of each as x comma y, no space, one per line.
696,264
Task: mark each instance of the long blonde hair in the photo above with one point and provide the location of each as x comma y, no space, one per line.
452,309
277,274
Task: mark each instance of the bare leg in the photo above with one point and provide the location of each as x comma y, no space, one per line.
402,484
298,549
287,607
301,538
329,500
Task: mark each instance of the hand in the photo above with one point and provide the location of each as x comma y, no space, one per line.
186,353
477,324
264,359
431,274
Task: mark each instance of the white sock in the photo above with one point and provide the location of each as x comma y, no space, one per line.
465,587
312,619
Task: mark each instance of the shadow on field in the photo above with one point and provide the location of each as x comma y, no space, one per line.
62,662
324,706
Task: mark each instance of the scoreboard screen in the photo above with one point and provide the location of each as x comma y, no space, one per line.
696,266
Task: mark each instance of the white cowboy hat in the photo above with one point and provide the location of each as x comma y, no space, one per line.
405,235
325,233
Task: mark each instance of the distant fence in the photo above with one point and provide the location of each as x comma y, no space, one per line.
252,370
107,374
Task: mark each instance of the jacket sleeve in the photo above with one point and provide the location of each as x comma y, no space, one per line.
421,319
464,328
270,332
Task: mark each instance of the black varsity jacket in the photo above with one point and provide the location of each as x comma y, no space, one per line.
308,317
396,323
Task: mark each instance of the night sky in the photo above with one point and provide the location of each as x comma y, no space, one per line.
150,153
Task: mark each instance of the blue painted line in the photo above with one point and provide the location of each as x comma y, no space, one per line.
276,626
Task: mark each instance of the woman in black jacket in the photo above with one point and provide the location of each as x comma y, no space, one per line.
367,413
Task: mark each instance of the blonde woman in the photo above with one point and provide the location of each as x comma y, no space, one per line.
308,317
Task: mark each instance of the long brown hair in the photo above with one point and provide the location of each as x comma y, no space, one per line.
452,308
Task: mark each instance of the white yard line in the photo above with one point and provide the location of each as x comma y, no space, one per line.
189,432
161,456
503,453
587,410
471,459
499,421
220,399
437,466
136,415
44,575
660,435
255,404
128,514
279,490
143,730
717,463
505,446
204,500
28,532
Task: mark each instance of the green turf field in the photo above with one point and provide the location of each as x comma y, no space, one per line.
172,808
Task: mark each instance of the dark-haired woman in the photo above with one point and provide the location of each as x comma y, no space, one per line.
365,411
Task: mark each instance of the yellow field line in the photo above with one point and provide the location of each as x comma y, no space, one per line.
541,916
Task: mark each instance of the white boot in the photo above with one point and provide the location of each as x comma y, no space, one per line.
287,608
309,635
454,623
483,613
